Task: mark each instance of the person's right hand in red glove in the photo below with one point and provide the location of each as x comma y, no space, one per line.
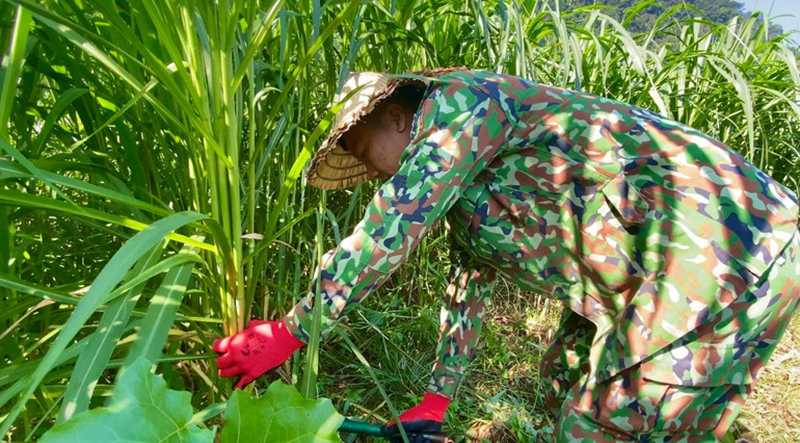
262,346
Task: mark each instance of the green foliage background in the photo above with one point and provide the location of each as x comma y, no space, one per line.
151,159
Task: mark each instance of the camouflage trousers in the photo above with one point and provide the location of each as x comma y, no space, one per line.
629,406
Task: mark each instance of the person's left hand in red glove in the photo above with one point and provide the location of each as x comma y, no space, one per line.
427,417
262,346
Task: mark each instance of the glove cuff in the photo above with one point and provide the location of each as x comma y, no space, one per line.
281,332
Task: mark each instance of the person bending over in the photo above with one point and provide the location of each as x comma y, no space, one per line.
676,259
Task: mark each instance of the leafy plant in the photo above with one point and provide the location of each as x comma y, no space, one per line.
280,414
142,409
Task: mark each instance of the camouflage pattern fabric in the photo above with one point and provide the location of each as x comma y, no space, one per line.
632,405
647,228
566,360
467,301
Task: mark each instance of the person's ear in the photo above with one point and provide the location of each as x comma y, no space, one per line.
396,117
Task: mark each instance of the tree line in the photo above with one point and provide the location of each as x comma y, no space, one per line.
716,11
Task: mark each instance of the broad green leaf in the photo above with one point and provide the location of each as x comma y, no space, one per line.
281,414
142,409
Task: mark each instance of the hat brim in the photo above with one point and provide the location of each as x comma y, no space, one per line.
335,168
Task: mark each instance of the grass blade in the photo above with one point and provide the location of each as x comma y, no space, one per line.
161,314
13,283
13,66
109,277
44,203
91,364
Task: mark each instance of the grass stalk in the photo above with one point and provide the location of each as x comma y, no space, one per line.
308,387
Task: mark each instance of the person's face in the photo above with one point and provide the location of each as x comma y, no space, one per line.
380,144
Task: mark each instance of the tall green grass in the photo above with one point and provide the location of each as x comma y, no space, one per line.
152,156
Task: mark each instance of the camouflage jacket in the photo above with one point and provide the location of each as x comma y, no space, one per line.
644,226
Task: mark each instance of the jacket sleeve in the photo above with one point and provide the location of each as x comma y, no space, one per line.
457,133
467,301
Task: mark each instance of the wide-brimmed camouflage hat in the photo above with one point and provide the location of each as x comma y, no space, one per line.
335,168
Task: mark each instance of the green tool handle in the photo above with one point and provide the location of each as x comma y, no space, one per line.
360,427
364,428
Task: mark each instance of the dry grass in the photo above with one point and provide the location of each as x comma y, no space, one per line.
520,334
773,412
504,379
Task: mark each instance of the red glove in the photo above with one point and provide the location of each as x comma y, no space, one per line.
424,418
254,351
